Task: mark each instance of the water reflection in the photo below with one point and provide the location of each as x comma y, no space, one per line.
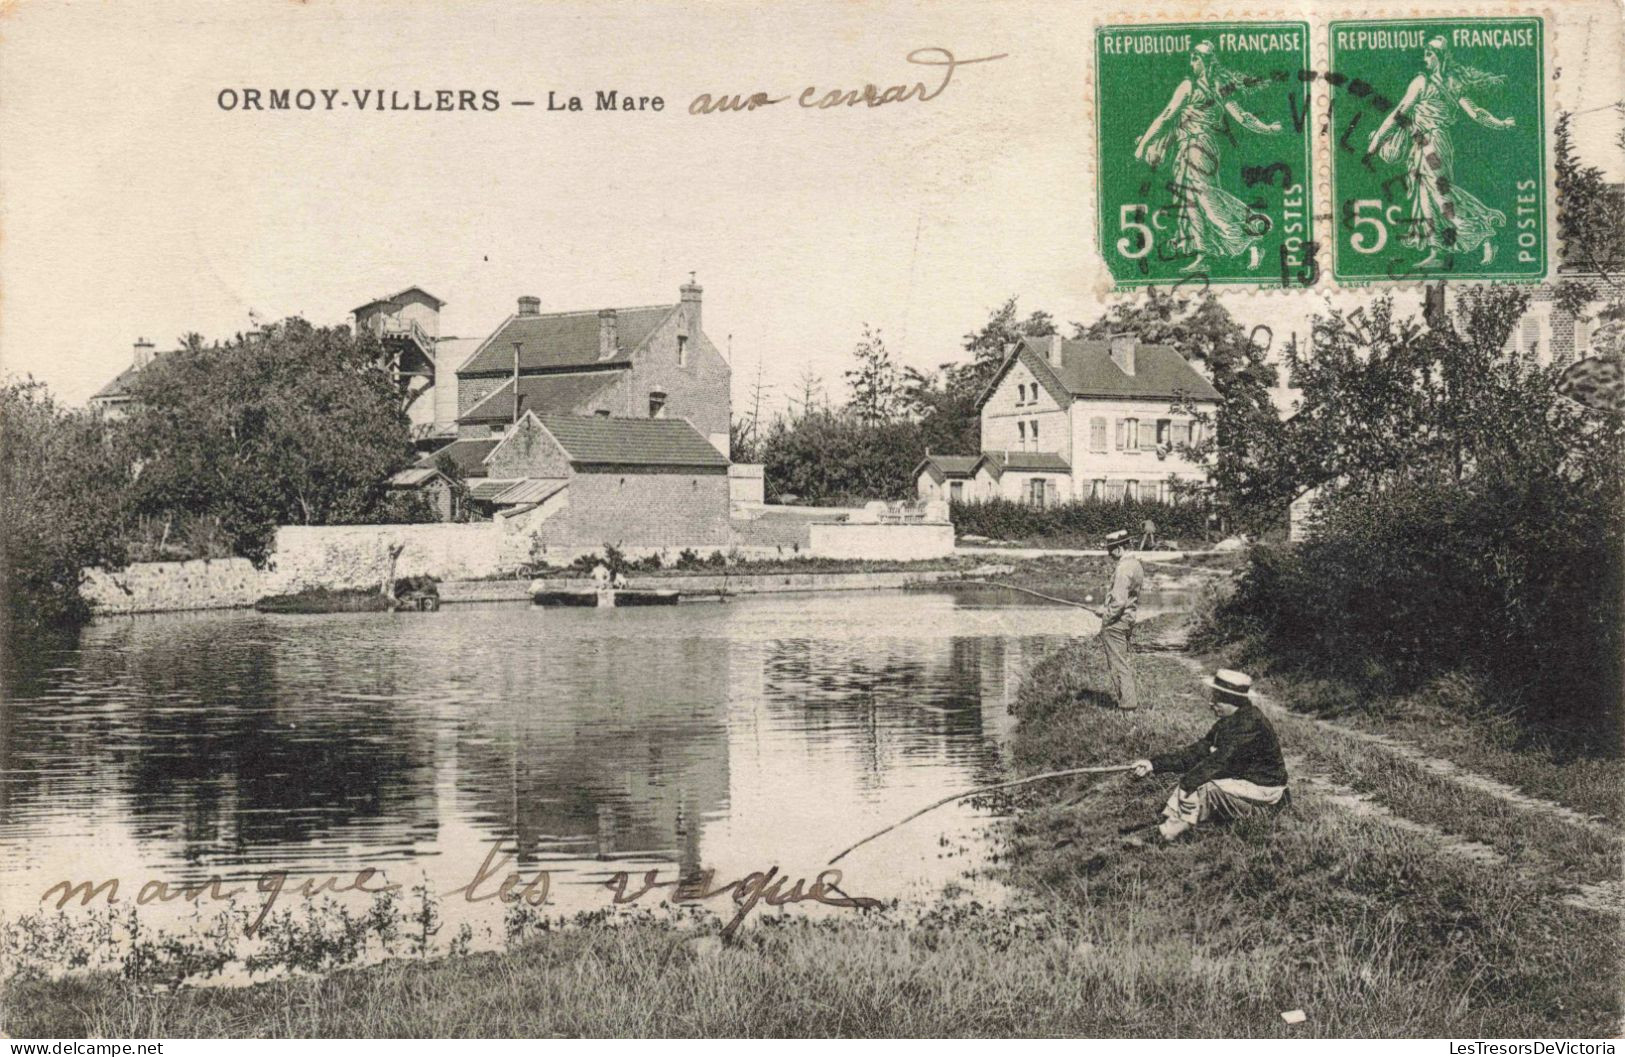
768,731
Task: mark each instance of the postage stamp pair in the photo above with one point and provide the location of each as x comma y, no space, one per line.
1416,149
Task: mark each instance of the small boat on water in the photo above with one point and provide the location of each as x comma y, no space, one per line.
545,593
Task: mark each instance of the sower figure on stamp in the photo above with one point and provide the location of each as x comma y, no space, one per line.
1117,619
1234,769
1211,219
1443,215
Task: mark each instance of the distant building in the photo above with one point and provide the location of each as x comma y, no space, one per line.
590,480
650,362
1074,419
424,360
113,399
1554,333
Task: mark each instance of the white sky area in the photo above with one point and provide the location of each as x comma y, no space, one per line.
132,205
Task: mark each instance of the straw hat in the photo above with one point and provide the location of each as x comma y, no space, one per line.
1232,682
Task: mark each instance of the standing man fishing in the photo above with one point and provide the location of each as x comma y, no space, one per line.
1117,619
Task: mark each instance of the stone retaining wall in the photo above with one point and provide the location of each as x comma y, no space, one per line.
158,587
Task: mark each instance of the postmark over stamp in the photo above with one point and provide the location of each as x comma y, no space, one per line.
1203,159
1438,132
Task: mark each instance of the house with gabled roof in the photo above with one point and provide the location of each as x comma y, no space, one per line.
576,480
652,362
1076,419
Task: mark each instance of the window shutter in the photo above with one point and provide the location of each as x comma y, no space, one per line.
1181,433
1148,436
1097,434
1097,488
1122,434
1131,490
1051,492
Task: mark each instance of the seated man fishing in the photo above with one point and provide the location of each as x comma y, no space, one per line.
1233,770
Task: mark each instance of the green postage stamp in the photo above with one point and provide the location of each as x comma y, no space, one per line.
1202,138
1438,149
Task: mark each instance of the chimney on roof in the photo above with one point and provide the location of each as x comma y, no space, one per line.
1055,350
530,306
608,339
143,353
1123,346
691,292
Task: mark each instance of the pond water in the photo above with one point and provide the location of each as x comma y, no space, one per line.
774,730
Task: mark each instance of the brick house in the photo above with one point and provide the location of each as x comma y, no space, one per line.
651,362
1074,419
575,480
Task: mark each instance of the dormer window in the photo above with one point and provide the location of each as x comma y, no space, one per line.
682,350
657,404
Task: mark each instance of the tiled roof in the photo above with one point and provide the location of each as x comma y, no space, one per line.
543,394
1086,369
632,441
469,455
563,339
1026,462
950,465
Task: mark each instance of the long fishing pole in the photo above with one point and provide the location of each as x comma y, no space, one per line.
1113,769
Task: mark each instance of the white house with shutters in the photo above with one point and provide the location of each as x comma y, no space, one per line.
1074,419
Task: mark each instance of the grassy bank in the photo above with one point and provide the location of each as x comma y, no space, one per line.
1370,927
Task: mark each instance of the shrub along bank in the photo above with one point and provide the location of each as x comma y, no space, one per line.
1510,592
1079,524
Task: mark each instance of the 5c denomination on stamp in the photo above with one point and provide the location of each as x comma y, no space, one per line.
1203,153
1439,149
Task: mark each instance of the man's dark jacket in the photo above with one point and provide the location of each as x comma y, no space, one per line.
1241,745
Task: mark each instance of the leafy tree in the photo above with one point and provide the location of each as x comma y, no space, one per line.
875,382
62,505
828,456
296,424
1469,519
944,400
1590,215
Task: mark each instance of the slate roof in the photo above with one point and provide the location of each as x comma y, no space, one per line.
950,465
632,441
469,455
1087,370
1026,462
119,386
564,339
542,393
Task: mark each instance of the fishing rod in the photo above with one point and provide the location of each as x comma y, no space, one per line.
1112,769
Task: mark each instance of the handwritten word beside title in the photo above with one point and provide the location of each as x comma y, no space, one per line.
867,96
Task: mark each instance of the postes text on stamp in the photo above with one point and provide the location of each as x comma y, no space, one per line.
1438,149
1203,153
